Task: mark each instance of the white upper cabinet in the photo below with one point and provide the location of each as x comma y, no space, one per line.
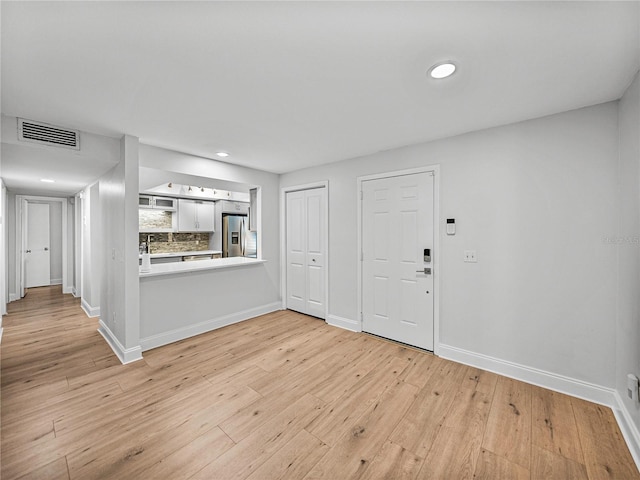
164,203
159,203
205,213
195,216
238,208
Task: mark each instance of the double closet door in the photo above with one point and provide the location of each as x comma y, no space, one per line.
306,251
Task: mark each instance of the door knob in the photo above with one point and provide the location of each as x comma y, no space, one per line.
426,271
46,249
28,251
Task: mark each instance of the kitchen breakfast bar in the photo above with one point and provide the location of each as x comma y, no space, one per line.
182,299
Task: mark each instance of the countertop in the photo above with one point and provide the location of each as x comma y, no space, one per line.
185,267
184,254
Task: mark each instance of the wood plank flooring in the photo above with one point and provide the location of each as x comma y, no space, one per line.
282,396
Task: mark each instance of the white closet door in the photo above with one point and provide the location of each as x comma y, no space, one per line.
306,251
37,255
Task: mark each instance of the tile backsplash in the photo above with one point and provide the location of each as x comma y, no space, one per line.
148,218
176,242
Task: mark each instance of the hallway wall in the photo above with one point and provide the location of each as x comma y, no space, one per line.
627,242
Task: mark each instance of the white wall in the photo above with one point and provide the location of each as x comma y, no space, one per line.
627,351
4,279
71,245
91,250
76,218
55,242
120,298
85,275
4,285
12,286
535,199
174,307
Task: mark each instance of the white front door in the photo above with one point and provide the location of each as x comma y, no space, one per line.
397,227
37,254
306,251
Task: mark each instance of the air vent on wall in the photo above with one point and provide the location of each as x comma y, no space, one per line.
45,134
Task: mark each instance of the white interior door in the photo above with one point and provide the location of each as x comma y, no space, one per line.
306,251
397,226
37,253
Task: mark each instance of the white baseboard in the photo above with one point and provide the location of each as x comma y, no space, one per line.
68,289
628,428
346,323
192,330
89,310
55,281
125,355
13,297
552,381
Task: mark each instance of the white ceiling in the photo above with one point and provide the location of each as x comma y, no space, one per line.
288,85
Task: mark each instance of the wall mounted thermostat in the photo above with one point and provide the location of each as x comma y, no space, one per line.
451,226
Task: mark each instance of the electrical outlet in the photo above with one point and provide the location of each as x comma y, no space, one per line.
470,256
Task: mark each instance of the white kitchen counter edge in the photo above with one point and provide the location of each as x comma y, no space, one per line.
199,265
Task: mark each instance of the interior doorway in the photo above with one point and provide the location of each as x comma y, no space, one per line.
26,205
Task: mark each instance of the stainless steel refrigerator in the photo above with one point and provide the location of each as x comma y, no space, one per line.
237,241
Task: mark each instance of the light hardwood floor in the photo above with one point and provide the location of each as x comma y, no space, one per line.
279,396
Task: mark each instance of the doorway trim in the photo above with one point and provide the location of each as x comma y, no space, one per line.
435,170
21,238
283,240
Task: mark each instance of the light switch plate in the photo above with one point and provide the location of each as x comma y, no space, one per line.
470,256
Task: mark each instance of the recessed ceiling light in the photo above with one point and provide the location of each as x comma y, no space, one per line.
222,154
442,70
47,180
